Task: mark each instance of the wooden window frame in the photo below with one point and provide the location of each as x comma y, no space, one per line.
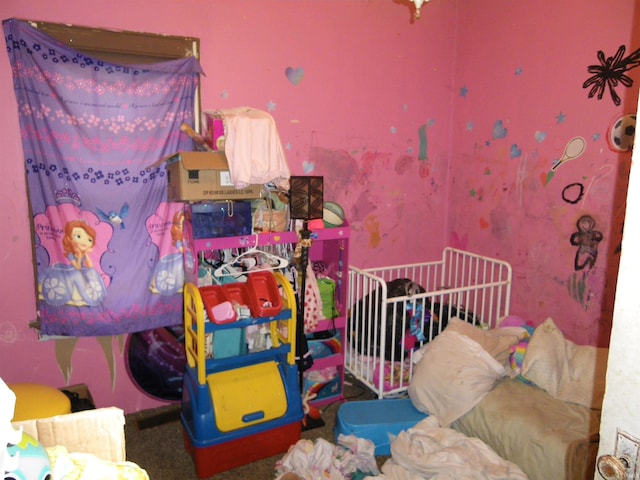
126,47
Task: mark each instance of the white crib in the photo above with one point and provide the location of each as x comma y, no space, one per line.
384,331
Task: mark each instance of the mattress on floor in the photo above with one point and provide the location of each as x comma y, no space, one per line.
546,437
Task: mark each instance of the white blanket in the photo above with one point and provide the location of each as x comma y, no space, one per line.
430,452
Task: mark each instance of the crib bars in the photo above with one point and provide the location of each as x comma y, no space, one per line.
383,332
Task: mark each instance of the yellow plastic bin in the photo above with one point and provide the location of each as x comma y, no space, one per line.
38,401
247,396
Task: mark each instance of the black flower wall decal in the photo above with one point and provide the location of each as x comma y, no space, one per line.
610,73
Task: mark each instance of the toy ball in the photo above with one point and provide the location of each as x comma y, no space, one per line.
332,214
622,133
33,461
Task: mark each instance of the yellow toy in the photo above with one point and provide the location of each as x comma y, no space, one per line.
241,408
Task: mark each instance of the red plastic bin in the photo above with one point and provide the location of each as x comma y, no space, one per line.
264,294
238,293
211,296
225,455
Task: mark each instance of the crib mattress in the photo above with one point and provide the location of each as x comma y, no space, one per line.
547,438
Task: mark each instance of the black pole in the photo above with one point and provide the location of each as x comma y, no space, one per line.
304,359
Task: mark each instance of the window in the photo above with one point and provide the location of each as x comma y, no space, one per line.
125,47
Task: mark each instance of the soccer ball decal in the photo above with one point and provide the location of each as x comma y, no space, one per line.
622,133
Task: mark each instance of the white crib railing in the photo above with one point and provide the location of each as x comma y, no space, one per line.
384,331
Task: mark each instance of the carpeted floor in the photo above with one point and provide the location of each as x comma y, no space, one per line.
155,442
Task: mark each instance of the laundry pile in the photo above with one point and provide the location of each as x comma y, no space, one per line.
428,451
352,458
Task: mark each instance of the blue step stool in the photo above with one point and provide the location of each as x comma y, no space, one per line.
376,419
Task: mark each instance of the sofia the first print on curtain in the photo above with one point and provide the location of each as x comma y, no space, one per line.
107,243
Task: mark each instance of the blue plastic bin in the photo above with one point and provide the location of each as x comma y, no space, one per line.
376,419
219,219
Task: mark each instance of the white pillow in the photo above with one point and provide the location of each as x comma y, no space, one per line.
497,341
569,372
452,376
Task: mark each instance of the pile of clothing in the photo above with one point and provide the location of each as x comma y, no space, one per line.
352,458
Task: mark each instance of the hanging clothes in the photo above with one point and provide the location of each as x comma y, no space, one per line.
253,148
312,302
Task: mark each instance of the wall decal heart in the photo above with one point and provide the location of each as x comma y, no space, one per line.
294,75
498,130
540,136
308,167
515,151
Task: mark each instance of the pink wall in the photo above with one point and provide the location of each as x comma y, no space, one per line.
372,81
527,67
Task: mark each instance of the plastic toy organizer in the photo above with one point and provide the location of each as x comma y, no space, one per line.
259,295
241,405
329,252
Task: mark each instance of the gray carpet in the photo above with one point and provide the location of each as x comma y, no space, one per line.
155,442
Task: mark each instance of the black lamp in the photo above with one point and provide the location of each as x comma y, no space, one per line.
306,197
305,203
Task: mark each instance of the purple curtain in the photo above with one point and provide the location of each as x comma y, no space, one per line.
108,246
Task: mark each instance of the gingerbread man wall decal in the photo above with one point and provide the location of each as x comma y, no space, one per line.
587,240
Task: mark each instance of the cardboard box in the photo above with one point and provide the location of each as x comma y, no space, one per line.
198,176
99,432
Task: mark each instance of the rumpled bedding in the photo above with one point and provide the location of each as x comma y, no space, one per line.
569,372
541,421
546,437
85,466
428,451
396,374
